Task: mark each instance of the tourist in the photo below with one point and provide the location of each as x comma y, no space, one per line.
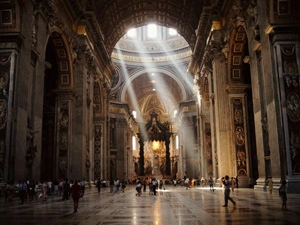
211,184
270,184
232,184
138,188
282,193
227,197
76,194
66,190
45,188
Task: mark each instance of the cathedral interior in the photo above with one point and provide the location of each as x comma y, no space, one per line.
106,89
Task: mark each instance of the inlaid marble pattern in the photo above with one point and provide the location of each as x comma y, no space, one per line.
175,205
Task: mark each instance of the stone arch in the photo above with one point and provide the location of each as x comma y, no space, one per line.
57,103
140,13
63,60
156,70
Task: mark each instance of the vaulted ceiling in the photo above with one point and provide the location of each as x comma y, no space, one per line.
115,17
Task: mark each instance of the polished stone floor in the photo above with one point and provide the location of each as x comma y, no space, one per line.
175,205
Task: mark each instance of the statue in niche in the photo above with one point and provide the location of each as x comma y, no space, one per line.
295,81
239,136
63,119
63,140
290,68
241,159
238,116
293,104
288,80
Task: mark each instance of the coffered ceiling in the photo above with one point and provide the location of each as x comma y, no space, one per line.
115,17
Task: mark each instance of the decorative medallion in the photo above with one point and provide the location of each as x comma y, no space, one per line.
292,105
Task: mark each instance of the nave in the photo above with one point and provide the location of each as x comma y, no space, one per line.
175,205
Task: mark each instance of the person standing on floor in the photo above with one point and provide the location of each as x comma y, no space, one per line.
270,184
45,189
66,190
138,189
211,184
98,185
111,185
227,197
145,182
154,185
76,194
83,183
232,184
282,193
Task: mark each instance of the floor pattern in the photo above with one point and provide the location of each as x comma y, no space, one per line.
175,205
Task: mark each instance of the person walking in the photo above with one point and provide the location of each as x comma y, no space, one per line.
282,193
66,190
45,189
76,194
9,192
226,184
83,183
211,184
154,185
145,182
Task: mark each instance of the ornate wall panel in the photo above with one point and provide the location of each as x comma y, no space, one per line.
97,98
63,64
239,135
8,15
292,96
97,151
284,11
5,67
208,149
63,137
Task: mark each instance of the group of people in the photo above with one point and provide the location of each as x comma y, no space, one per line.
30,190
114,185
282,190
153,184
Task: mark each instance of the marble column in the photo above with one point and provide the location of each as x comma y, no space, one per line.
222,117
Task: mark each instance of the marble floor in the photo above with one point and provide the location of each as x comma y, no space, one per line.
175,205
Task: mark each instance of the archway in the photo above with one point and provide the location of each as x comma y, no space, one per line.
55,128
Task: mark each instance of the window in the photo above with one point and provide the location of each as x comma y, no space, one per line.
172,32
134,114
133,143
177,142
152,31
131,33
175,113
